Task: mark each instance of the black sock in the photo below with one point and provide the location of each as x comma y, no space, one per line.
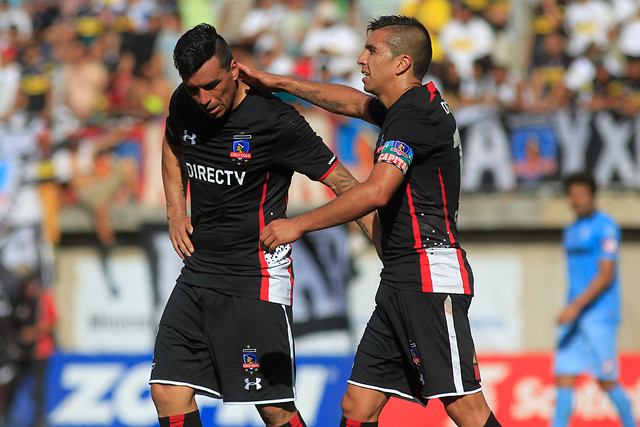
296,421
345,422
192,419
492,422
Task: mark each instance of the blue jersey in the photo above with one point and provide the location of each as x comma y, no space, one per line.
588,241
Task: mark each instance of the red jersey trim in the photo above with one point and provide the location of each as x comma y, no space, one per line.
295,421
432,90
176,420
333,166
425,269
264,282
463,271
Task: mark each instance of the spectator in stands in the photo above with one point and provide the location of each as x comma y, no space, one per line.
466,38
168,34
293,25
629,35
85,81
579,80
265,17
34,96
271,56
150,91
589,321
474,88
588,22
606,89
546,17
547,72
504,87
99,175
330,39
630,100
13,14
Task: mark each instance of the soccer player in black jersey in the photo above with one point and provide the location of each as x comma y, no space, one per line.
418,343
226,329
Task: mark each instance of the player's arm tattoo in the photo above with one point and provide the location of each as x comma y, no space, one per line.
313,97
343,182
344,179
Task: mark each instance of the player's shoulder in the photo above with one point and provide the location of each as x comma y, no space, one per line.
604,218
267,105
606,223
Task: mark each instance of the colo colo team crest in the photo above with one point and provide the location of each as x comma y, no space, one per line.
250,360
241,150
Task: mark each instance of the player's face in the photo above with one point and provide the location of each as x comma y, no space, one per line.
376,62
581,199
214,88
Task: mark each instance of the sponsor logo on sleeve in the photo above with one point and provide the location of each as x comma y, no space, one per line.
397,153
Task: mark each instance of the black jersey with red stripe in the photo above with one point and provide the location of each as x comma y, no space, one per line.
420,244
239,170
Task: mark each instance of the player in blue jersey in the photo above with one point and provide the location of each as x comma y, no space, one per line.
418,343
588,324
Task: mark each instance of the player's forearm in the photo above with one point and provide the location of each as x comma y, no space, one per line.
356,203
334,98
600,283
172,182
340,180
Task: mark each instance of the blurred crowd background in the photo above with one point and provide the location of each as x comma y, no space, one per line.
540,88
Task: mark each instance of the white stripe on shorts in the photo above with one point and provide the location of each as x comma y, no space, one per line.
453,346
291,352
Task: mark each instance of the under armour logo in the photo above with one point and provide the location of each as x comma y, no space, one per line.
191,137
255,383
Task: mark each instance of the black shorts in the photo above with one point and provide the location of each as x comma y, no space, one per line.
417,346
233,348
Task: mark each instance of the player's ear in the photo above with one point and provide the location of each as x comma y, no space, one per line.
235,70
403,65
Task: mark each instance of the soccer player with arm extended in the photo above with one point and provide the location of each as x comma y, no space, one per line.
589,321
226,329
418,343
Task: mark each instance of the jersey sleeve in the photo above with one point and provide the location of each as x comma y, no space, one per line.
300,149
609,241
376,110
170,129
415,133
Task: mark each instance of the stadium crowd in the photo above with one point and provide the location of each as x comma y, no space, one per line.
89,81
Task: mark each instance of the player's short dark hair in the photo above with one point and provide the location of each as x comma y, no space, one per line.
582,177
197,46
408,36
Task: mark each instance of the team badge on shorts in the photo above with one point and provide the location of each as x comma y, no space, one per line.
241,150
250,360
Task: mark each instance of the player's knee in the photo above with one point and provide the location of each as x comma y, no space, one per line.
172,400
277,414
470,407
362,404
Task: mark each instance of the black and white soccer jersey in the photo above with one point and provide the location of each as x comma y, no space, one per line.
420,245
239,170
